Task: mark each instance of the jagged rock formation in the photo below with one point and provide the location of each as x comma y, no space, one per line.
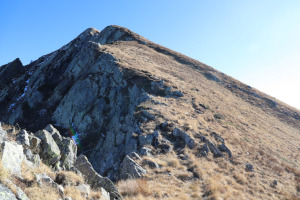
13,154
118,94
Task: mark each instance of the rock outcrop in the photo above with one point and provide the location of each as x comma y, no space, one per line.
118,98
15,155
130,169
94,179
12,157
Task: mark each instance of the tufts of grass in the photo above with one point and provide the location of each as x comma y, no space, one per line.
134,187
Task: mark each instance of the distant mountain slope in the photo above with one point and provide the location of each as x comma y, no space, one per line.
122,93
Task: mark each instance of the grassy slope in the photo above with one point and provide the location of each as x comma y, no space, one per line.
255,133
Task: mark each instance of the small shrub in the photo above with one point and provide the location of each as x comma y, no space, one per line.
68,178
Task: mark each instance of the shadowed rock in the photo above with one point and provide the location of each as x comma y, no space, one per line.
94,179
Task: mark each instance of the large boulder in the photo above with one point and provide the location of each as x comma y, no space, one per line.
215,151
94,179
6,194
19,193
67,147
104,194
12,157
50,152
188,140
130,169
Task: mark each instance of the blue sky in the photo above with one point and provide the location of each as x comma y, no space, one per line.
254,41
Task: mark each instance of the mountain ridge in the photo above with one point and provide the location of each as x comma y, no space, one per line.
123,94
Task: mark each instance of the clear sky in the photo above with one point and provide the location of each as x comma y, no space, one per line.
254,41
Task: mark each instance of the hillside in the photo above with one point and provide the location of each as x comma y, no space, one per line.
189,131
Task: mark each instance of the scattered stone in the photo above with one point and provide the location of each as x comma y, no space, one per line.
145,139
135,156
176,94
204,150
43,179
219,116
130,169
183,156
165,148
201,137
188,140
249,168
225,149
215,151
274,184
145,151
147,115
210,76
84,189
151,164
217,137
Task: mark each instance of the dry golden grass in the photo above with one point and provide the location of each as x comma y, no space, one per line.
28,172
37,193
74,193
11,130
133,187
255,133
173,162
4,174
68,178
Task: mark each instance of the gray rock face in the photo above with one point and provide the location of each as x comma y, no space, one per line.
20,194
3,136
188,140
12,157
67,147
130,169
23,138
94,179
50,152
145,151
84,189
104,194
6,194
44,180
145,140
35,144
249,167
33,158
215,151
79,86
